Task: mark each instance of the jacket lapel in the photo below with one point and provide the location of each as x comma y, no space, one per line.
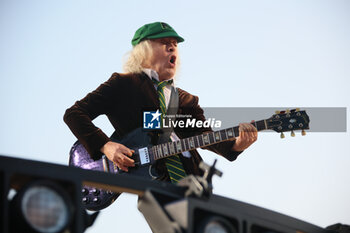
148,89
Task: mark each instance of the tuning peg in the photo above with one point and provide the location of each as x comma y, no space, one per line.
292,134
282,135
277,112
303,133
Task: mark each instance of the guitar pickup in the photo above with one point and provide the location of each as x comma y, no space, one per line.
144,156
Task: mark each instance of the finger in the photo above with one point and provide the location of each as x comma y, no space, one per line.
255,129
248,127
117,161
242,126
251,131
252,139
245,131
241,131
126,151
249,137
121,159
128,162
253,136
124,168
251,128
123,162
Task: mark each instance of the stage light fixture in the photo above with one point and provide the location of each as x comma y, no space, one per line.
215,224
42,206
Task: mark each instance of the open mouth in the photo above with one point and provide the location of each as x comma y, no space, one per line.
173,59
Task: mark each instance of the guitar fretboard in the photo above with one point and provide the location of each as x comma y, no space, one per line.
199,141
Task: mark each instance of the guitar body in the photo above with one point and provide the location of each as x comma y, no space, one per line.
97,199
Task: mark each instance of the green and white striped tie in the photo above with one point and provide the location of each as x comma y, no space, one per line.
173,163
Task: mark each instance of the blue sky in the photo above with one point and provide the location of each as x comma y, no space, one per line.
235,54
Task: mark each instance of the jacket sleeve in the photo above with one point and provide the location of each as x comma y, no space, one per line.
191,107
79,117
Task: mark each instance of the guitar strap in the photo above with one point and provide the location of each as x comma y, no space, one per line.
171,115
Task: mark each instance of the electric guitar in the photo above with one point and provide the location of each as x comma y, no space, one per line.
147,154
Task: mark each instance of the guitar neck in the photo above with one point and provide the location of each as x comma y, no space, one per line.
199,141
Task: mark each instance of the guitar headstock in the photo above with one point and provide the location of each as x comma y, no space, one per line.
289,120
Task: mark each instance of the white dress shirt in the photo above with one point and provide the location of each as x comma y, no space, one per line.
167,92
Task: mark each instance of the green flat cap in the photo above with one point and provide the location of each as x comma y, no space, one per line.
154,31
